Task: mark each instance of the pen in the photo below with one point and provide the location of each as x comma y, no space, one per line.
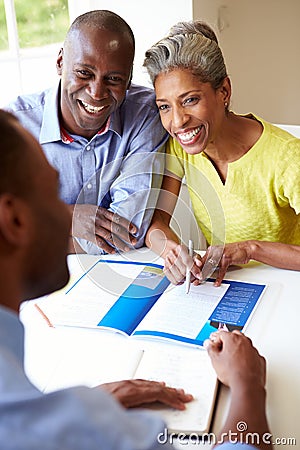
188,272
44,315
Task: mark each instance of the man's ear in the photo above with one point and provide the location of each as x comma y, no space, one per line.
59,62
130,79
14,220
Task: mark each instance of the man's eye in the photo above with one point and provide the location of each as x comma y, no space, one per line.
115,79
82,73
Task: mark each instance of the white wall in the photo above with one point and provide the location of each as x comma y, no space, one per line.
38,70
260,40
149,20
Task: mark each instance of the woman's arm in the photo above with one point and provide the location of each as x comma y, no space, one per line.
276,254
160,237
162,240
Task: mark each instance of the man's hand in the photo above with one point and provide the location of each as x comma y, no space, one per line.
131,393
235,360
177,261
102,227
239,366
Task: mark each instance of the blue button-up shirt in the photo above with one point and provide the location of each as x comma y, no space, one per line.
120,168
77,418
71,419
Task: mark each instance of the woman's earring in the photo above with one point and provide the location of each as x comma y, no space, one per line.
226,105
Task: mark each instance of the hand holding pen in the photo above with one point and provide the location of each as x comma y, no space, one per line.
207,267
183,265
188,271
181,262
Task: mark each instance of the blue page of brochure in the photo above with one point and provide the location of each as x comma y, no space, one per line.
135,302
232,312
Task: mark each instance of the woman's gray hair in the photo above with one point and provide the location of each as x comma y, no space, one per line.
189,45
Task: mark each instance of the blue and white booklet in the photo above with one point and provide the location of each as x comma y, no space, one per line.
136,299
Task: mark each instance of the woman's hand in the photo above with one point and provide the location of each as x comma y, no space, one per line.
178,261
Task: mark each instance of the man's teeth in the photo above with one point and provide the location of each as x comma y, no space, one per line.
185,137
91,109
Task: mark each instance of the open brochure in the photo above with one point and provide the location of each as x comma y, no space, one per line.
136,299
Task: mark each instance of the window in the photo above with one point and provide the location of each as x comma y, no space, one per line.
32,35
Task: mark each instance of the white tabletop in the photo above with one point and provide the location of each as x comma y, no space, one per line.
273,329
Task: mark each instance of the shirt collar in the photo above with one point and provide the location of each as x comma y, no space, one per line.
51,130
67,138
118,116
116,122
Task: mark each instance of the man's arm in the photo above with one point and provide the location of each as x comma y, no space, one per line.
102,227
240,367
135,191
132,193
131,393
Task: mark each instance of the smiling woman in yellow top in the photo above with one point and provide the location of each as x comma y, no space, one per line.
242,172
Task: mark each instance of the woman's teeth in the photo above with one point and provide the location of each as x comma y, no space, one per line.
185,137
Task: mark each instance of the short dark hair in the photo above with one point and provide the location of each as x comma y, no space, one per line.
13,175
102,18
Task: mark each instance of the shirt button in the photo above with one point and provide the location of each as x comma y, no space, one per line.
88,148
89,186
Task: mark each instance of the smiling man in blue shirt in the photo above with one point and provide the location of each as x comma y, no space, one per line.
101,133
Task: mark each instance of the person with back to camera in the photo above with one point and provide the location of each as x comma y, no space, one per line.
31,216
102,133
249,165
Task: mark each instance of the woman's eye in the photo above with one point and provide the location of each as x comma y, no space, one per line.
191,100
163,107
